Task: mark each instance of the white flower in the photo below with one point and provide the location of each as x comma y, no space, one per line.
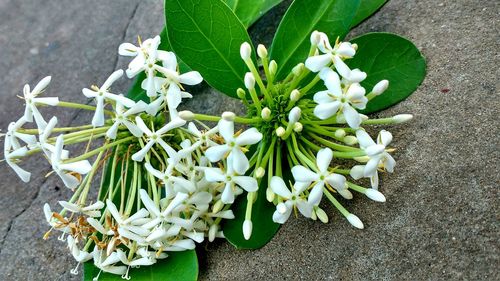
12,136
337,99
145,53
102,93
92,210
122,118
107,263
171,182
232,181
79,255
162,219
129,227
170,86
376,152
293,199
13,149
156,137
80,167
162,100
53,221
203,137
233,146
341,50
32,100
43,137
358,172
322,177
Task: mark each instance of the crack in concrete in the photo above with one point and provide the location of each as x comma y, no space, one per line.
75,116
33,199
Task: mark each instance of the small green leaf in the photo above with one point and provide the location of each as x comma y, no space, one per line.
291,43
207,36
366,9
388,56
178,266
249,11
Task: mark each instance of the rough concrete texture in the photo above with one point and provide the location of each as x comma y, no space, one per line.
441,220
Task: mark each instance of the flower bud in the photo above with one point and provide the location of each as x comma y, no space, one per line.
217,206
321,215
228,116
212,232
297,70
260,172
186,115
273,67
247,229
298,127
269,194
354,46
262,51
315,38
375,195
362,159
363,117
266,113
294,115
340,133
249,81
355,221
350,140
295,95
241,94
245,51
280,131
400,118
380,87
313,215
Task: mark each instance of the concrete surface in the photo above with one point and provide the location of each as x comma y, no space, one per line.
441,220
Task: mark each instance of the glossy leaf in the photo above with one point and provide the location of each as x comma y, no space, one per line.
207,36
249,11
178,266
388,56
291,43
366,9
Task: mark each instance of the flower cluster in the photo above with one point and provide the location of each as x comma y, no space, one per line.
171,183
170,179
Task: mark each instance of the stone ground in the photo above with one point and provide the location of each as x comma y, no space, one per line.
441,220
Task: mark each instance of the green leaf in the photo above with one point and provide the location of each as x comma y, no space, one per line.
366,9
249,11
178,266
388,56
291,43
135,92
207,36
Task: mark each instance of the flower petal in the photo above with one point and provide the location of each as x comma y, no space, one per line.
247,183
323,159
316,63
191,78
351,116
326,110
279,187
301,173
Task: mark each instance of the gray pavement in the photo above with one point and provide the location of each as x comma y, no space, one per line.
441,218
